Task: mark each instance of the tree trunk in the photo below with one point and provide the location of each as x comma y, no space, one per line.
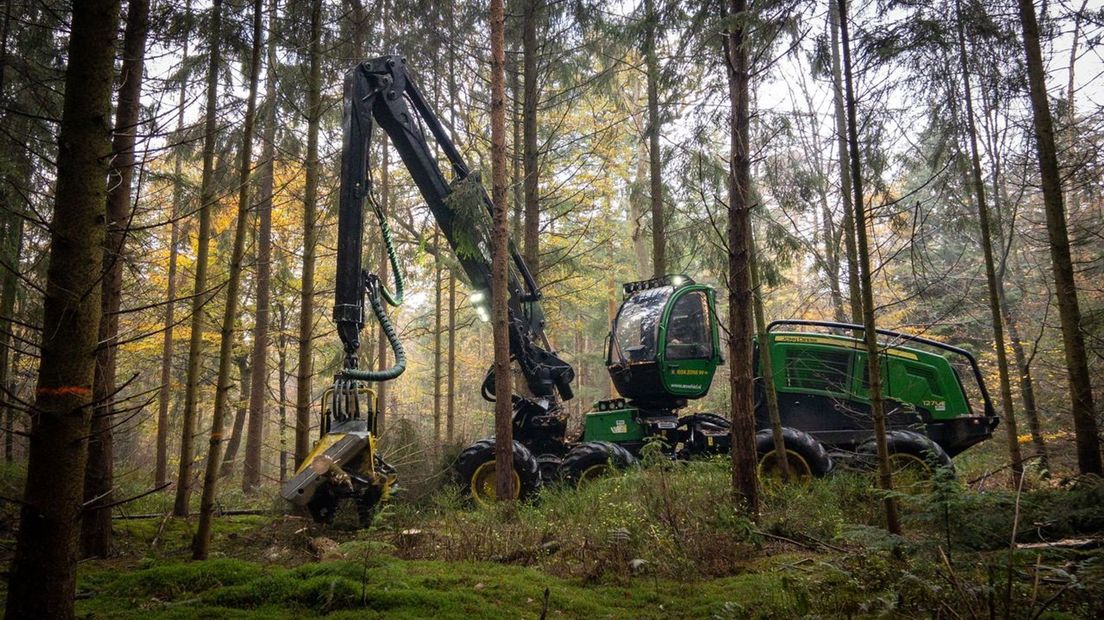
1026,384
282,379
199,292
500,258
99,474
1065,289
854,294
659,234
766,367
42,581
230,458
17,181
251,476
161,469
450,407
873,356
438,308
531,94
745,487
985,231
202,540
310,205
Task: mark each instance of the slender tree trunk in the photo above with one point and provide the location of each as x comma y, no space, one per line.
230,457
17,182
504,432
766,367
282,380
529,53
42,581
517,181
99,474
1065,288
251,477
985,226
854,294
1026,384
202,540
873,355
199,292
437,350
450,407
310,200
745,486
385,209
161,469
638,211
659,232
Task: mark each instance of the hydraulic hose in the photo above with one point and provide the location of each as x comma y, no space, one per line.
377,292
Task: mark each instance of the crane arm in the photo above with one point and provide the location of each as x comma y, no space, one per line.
382,92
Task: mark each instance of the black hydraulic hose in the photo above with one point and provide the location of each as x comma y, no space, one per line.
393,338
376,289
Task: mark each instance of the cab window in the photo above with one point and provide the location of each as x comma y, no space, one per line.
637,326
688,331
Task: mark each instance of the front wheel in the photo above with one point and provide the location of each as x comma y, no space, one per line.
475,469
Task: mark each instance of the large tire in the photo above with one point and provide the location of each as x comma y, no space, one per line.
475,471
593,459
914,458
549,467
805,455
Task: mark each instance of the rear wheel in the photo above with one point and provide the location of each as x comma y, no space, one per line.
914,460
806,457
475,469
594,459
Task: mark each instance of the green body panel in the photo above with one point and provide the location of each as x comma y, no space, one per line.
688,378
832,365
615,426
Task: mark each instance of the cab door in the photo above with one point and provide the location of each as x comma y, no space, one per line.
689,351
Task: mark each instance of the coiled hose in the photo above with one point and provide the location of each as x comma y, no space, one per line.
376,289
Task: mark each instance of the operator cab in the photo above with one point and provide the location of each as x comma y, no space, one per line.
663,344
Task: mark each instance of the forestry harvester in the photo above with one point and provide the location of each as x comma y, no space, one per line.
662,351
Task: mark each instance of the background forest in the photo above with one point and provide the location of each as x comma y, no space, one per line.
221,207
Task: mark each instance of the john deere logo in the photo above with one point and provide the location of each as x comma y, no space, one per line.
619,427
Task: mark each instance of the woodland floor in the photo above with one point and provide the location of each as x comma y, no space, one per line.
660,542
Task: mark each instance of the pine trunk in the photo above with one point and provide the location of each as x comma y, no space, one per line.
1065,288
873,355
504,432
230,458
161,469
202,540
199,292
99,474
450,407
42,580
655,194
437,350
854,294
310,200
531,94
995,314
17,181
766,366
251,476
745,486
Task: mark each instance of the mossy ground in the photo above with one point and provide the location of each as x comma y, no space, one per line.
661,542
